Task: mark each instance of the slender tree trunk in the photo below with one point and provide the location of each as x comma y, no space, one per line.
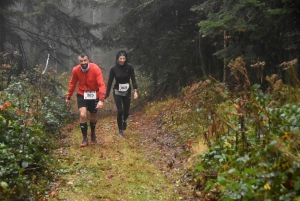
224,67
203,67
155,77
70,7
3,33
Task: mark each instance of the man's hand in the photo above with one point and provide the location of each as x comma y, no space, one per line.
99,105
68,102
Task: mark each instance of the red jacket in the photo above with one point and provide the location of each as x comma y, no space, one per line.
92,80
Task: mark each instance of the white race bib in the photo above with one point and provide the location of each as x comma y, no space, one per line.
90,95
123,87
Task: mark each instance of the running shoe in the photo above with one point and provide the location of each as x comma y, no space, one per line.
84,142
120,134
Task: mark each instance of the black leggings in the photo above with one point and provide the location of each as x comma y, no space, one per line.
123,104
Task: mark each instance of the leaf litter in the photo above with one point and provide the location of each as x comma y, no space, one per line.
147,164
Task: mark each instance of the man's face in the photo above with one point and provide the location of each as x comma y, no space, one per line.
83,61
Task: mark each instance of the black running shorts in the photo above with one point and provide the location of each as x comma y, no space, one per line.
89,104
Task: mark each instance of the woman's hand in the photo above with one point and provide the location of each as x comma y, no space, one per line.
135,95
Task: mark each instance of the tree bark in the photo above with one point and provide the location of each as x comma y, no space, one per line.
224,67
203,67
3,32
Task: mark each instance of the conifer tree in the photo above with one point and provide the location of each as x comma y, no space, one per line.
33,29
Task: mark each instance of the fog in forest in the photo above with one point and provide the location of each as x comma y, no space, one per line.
216,118
108,15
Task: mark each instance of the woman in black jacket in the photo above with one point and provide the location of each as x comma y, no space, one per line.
122,72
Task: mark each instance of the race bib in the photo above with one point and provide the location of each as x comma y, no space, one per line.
90,95
123,87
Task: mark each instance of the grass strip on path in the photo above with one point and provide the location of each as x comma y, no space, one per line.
113,169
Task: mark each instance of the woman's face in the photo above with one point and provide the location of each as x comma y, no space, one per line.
121,60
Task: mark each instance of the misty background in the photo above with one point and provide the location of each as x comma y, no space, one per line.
172,43
210,69
108,15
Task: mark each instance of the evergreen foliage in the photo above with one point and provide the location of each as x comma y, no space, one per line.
162,39
260,31
176,43
35,29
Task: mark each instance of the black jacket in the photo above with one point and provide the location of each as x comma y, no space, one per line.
122,75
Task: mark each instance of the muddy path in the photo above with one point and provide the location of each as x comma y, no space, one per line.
147,164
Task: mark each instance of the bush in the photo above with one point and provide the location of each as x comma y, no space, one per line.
29,125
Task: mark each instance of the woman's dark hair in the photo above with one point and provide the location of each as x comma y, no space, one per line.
121,53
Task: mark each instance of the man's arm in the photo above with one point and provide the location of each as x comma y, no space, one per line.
101,85
72,85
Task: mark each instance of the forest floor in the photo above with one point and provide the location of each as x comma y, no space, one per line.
147,164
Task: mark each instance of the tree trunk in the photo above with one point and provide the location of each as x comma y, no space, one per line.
3,33
224,67
203,67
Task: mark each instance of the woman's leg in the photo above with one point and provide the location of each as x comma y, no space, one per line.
126,104
118,101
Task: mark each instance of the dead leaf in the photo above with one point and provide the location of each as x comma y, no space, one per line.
52,194
109,176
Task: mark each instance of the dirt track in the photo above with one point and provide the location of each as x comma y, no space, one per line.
148,164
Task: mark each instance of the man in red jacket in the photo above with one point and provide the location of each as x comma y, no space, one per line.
90,94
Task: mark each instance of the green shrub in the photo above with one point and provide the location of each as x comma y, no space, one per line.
29,125
257,157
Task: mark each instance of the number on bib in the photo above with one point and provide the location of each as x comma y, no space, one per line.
123,87
90,95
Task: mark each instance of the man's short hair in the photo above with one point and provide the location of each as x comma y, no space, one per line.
82,55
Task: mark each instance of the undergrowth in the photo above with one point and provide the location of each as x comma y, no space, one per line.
252,135
30,118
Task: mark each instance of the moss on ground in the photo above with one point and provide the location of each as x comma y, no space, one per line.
113,169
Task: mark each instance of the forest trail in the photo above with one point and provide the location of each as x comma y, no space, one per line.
145,165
